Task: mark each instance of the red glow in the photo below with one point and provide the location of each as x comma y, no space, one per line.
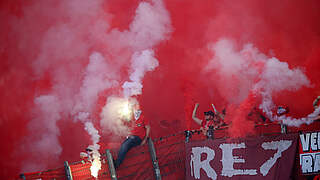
45,48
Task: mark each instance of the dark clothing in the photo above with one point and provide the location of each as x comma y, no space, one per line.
130,142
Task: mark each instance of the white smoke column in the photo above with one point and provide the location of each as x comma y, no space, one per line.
299,121
276,77
93,132
150,26
64,47
141,62
95,137
61,50
96,164
248,70
98,77
267,106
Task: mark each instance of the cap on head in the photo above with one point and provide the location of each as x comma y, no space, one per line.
282,110
209,113
90,148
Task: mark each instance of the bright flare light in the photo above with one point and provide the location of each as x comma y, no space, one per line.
125,110
95,165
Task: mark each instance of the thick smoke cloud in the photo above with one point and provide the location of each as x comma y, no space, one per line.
249,76
150,25
46,143
64,63
82,61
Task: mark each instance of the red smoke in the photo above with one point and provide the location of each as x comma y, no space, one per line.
238,120
45,49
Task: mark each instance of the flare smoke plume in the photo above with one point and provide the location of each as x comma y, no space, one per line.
67,67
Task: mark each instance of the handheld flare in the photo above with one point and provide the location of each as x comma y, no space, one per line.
125,110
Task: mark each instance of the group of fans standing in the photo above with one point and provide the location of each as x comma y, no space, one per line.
212,120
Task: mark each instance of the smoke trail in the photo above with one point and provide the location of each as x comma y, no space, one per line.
96,164
150,26
63,50
276,77
141,63
98,77
93,132
95,80
247,73
67,47
268,107
95,137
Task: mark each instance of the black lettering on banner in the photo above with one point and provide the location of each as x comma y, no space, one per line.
307,163
305,141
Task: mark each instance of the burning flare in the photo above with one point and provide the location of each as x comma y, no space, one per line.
96,164
125,110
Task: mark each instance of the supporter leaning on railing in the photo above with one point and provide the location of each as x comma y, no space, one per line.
139,135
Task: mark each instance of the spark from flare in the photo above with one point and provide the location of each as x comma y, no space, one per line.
96,164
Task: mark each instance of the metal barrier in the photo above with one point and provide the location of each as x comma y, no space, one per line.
167,155
111,165
283,129
154,159
67,170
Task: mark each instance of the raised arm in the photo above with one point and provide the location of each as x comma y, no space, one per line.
194,117
315,102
